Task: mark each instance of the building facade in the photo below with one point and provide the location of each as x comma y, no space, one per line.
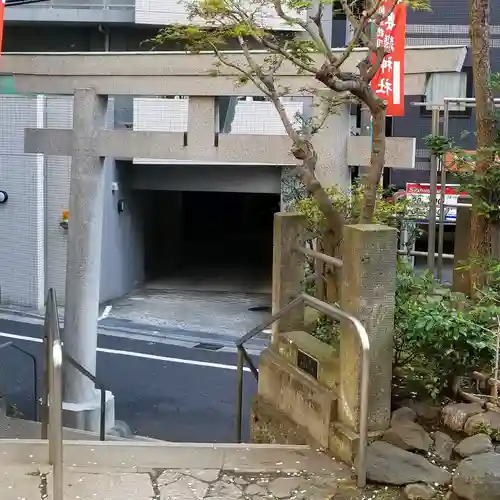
33,247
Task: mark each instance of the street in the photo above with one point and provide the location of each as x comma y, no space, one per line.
162,391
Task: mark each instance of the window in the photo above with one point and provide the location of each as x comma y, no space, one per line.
338,14
441,85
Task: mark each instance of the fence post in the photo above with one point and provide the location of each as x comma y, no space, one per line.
461,277
368,293
288,270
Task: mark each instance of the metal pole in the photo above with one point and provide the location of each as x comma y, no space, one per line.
431,247
45,393
446,119
364,395
364,341
102,430
56,429
239,396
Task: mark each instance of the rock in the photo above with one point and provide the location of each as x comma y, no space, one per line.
426,413
403,414
454,416
478,477
419,492
443,446
474,445
408,436
389,464
489,419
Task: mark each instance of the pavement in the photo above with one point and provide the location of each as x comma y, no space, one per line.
192,472
165,388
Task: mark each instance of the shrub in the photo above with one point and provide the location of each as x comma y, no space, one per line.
440,335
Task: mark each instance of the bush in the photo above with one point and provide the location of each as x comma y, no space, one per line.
440,335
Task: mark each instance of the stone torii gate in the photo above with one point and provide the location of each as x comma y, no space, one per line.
91,78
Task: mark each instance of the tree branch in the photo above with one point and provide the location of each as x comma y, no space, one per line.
286,53
355,24
241,70
379,57
317,18
320,44
272,92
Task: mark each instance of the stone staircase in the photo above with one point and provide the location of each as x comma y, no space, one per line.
122,470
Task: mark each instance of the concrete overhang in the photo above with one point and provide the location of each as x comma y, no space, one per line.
181,73
49,13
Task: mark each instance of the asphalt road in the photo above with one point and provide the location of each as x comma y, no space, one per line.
182,398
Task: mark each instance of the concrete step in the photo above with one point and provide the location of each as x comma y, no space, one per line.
168,471
19,428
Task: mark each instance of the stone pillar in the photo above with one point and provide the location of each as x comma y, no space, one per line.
81,400
288,270
368,293
461,277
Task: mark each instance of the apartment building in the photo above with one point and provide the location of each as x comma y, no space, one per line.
446,24
151,222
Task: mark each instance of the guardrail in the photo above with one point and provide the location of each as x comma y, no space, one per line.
334,313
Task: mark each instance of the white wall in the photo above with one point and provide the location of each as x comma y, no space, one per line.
59,115
21,218
171,115
164,12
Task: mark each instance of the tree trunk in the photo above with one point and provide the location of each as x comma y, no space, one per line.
334,219
480,239
377,160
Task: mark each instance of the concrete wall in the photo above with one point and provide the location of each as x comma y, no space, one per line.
30,263
206,178
122,258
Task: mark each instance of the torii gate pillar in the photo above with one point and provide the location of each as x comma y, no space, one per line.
81,399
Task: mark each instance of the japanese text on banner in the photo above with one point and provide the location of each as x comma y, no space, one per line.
388,83
2,16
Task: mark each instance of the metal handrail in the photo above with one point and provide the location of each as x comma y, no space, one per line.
327,259
54,371
48,340
52,425
334,313
56,424
102,424
35,374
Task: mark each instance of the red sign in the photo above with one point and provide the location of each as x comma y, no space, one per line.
421,194
388,83
2,15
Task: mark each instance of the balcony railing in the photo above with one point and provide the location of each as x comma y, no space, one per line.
82,4
238,116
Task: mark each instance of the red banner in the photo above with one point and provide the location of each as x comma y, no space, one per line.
2,15
389,81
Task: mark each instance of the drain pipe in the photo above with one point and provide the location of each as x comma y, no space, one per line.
105,32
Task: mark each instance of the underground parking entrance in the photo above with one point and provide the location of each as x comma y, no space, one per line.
207,245
209,241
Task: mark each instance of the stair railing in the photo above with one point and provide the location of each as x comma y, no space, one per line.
51,318
36,414
336,314
53,397
52,418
